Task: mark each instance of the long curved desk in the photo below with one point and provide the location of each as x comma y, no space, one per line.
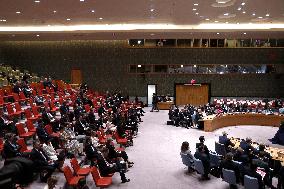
212,123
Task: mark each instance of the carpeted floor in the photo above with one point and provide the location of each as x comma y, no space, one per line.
157,160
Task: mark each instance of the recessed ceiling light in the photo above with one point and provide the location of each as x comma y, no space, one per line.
240,8
243,4
260,17
194,9
139,66
244,12
207,19
253,14
37,1
226,14
195,4
4,20
218,33
100,18
68,19
82,0
197,13
245,33
37,35
152,10
267,15
18,12
216,21
92,11
181,66
54,11
194,66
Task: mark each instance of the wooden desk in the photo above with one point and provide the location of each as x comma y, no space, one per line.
226,120
165,105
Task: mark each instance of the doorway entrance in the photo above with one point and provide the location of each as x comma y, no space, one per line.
150,90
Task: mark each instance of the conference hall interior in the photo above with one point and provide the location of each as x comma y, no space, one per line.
155,94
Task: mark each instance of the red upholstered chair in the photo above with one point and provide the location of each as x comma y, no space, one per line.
30,126
102,182
23,97
2,102
16,97
29,116
35,111
70,179
1,145
18,108
80,171
87,107
120,140
21,142
11,112
49,130
22,132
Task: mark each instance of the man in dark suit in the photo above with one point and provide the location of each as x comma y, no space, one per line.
201,143
44,136
226,141
81,126
107,168
91,152
230,165
6,124
42,161
155,102
48,118
201,155
11,148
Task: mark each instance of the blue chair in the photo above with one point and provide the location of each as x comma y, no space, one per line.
250,182
220,149
229,176
198,166
187,161
214,159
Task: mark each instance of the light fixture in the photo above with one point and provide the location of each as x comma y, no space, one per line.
194,9
243,4
139,42
37,35
218,33
227,22
267,15
68,19
260,17
82,0
152,10
152,34
197,13
244,12
216,21
207,19
195,4
240,8
54,11
37,1
139,66
100,18
92,11
253,14
245,33
181,66
226,14
18,12
194,65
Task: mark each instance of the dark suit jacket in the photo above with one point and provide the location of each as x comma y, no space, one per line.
42,134
11,151
91,151
103,167
205,148
45,118
64,110
205,160
38,158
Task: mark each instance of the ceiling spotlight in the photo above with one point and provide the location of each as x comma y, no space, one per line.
195,4
197,13
218,33
243,4
82,0
18,12
207,19
194,66
139,42
245,33
194,9
267,15
92,11
253,14
240,8
181,66
139,66
260,17
4,20
37,35
68,19
226,14
152,10
37,1
100,18
244,12
54,11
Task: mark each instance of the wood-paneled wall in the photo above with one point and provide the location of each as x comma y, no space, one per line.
192,94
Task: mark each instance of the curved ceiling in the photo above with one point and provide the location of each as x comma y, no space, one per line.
140,16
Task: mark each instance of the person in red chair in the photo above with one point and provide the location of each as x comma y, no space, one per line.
6,125
107,168
44,136
48,118
11,148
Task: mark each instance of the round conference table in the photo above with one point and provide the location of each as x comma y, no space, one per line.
213,122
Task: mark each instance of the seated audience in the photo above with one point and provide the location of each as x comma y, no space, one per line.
228,164
202,155
226,141
186,151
